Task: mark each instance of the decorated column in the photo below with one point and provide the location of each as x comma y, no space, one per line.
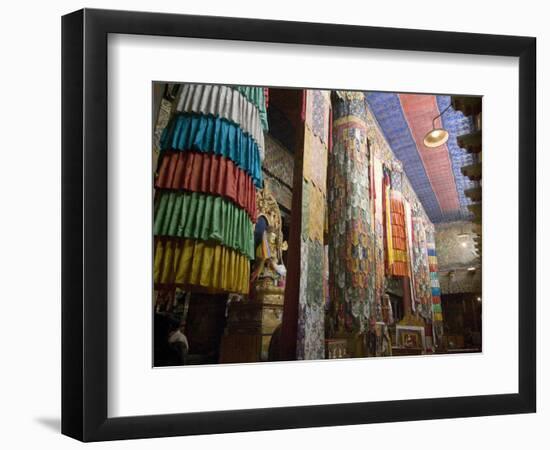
311,313
352,246
420,266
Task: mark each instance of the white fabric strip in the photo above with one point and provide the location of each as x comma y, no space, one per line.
225,102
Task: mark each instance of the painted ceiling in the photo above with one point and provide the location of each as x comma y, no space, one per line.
434,173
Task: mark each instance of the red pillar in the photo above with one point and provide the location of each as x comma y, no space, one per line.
407,305
289,326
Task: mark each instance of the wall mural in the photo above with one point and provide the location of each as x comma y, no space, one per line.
455,245
459,263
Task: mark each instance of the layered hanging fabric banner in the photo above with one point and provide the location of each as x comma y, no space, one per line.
209,134
205,217
205,266
398,261
210,174
257,96
437,314
205,205
388,240
436,289
226,103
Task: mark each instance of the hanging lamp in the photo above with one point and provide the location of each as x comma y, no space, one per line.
437,136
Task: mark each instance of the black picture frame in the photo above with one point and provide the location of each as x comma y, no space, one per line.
84,224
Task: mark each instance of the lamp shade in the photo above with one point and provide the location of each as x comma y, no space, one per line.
436,138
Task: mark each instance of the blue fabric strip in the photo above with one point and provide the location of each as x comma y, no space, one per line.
214,135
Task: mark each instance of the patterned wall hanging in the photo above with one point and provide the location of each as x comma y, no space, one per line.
421,268
378,195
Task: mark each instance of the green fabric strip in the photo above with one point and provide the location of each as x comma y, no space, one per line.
256,96
205,217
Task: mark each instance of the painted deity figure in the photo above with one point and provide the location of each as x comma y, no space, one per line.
268,264
269,272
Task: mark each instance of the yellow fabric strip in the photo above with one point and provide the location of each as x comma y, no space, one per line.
399,255
389,238
189,262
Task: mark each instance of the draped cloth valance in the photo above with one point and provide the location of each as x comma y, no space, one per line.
207,134
398,259
203,265
256,95
209,174
206,217
224,102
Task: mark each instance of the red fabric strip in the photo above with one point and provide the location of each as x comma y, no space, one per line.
210,174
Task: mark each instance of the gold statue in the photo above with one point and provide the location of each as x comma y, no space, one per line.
251,322
269,272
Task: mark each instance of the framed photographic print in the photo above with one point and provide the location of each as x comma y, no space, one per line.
252,208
